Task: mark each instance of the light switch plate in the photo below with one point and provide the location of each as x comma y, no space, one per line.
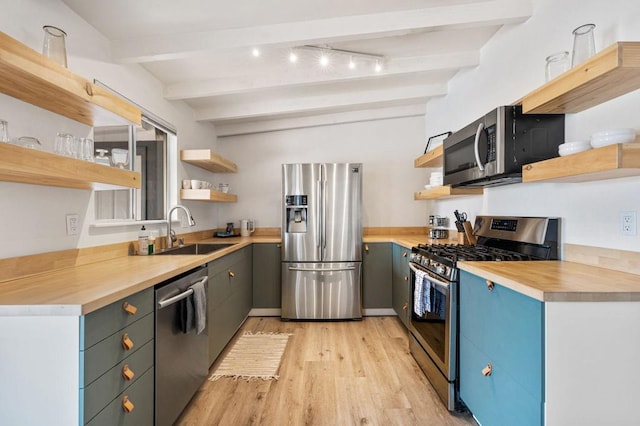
73,224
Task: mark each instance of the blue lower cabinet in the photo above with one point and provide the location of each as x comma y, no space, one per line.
502,329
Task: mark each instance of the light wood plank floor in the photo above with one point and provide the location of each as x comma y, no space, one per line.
332,373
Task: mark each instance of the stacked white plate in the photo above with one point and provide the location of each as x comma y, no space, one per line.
610,137
435,179
569,148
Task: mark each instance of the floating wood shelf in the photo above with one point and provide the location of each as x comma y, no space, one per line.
433,158
207,195
31,77
607,162
208,160
24,165
440,192
612,72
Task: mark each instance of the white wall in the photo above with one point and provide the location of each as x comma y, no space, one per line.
512,65
385,147
33,217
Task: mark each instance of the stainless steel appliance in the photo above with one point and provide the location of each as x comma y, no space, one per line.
322,241
434,284
492,150
181,354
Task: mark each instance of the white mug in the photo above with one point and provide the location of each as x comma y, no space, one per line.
247,226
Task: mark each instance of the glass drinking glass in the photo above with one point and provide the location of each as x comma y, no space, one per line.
86,149
556,65
54,45
63,144
583,44
4,131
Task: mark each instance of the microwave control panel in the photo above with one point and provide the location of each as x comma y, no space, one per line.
491,143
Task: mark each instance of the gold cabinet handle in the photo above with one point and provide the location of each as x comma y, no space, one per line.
278,245
366,247
406,278
127,373
127,343
486,371
129,308
490,285
231,273
406,306
404,254
127,405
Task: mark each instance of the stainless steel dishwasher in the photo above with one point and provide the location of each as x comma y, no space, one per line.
181,359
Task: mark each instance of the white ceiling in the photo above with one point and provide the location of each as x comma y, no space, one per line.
201,51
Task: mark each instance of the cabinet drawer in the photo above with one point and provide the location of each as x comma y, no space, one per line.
102,391
496,399
507,326
140,394
104,322
224,263
101,357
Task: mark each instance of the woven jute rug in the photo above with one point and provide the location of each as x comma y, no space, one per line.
253,356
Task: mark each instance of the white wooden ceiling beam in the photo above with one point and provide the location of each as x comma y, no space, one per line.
227,86
176,46
240,127
274,105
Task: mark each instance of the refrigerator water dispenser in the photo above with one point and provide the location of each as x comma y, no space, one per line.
296,211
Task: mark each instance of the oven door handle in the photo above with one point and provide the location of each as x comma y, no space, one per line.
476,148
431,278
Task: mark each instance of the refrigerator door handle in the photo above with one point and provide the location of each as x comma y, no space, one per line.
323,236
345,268
318,219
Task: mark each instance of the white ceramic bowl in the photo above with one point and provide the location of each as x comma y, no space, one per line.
610,137
569,148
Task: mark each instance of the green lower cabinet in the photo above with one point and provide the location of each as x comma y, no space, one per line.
501,353
376,276
229,297
401,287
267,275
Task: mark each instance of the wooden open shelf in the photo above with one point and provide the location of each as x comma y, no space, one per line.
433,158
607,162
610,73
207,195
24,165
440,192
208,160
31,77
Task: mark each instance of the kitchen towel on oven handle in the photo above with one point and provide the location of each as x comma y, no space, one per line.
421,293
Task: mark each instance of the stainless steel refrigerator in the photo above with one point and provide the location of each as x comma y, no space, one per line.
322,241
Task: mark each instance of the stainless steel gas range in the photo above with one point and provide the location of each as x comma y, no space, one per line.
434,285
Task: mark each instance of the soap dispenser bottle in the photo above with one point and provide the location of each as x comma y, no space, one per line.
143,242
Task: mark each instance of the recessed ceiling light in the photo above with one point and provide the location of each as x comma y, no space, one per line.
293,57
255,52
324,60
378,67
352,64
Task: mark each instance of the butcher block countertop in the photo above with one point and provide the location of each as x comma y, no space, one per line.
560,281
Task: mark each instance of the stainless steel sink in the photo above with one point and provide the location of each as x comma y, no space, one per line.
198,248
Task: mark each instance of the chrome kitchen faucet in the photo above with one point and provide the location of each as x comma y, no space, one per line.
171,235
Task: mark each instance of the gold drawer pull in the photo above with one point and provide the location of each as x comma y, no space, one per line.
127,406
231,274
127,373
406,306
404,254
406,278
129,308
490,285
278,245
127,343
486,372
366,247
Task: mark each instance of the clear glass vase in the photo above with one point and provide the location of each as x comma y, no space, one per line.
556,64
54,46
583,44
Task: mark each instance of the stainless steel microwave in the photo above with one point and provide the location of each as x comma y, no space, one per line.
492,150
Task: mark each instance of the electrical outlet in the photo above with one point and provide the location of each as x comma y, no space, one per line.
73,224
628,223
